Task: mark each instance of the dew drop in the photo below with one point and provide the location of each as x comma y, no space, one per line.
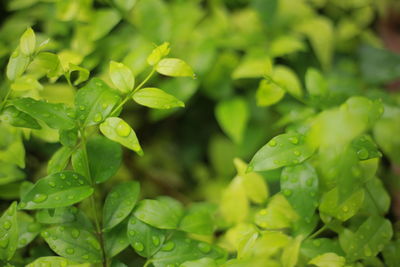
132,221
123,129
7,225
81,182
120,215
22,205
62,176
57,198
23,241
171,265
4,243
98,117
272,143
38,198
45,234
75,176
138,246
70,197
52,184
362,154
85,257
70,251
345,209
132,232
204,247
367,251
75,233
82,108
155,240
294,179
297,153
170,245
287,192
294,140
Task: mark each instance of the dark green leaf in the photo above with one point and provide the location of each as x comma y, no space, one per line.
116,240
57,190
59,160
163,213
72,243
198,220
94,102
69,137
57,116
119,203
17,118
145,239
9,232
282,150
180,249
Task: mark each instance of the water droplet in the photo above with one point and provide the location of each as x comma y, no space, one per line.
81,182
4,243
272,143
294,179
61,228
23,241
362,154
68,182
294,140
296,153
132,232
345,209
22,205
155,240
75,176
295,161
356,171
45,234
52,184
38,198
7,225
170,245
82,108
367,251
277,162
313,194
287,192
75,233
120,215
62,176
70,197
70,251
98,117
123,129
132,221
171,265
263,212
317,243
138,246
204,247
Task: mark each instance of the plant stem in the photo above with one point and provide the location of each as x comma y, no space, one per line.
93,204
3,103
320,230
134,90
147,263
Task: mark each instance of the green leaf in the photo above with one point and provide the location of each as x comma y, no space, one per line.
391,253
174,67
328,260
311,248
119,203
320,32
56,116
286,79
234,204
17,118
28,229
94,102
163,212
156,98
116,240
377,199
253,67
145,239
9,232
290,253
104,156
27,42
17,65
83,74
269,93
344,209
59,160
118,130
158,53
57,216
232,115
57,190
26,83
278,214
365,148
300,186
198,219
10,173
315,83
282,150
72,243
49,261
69,137
121,76
369,239
204,262
180,249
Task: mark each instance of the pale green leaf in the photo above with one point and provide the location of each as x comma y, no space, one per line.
27,42
174,67
121,76
156,98
328,260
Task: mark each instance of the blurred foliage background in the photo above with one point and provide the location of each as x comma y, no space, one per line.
231,45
